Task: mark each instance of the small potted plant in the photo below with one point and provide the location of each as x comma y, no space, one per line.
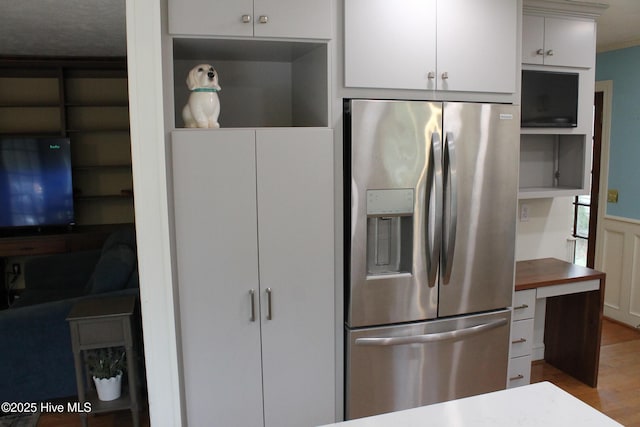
107,365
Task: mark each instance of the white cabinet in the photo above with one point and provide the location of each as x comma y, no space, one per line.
254,245
260,18
455,45
558,41
521,338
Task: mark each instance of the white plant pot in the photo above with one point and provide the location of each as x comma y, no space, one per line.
108,388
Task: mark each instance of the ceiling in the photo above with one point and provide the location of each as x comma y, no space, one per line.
97,27
62,27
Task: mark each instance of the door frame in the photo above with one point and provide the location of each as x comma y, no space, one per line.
606,87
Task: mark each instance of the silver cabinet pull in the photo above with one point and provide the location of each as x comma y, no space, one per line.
269,306
521,307
550,52
252,297
517,377
445,75
431,75
263,19
520,341
540,52
246,19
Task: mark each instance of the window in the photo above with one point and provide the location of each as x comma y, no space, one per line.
582,206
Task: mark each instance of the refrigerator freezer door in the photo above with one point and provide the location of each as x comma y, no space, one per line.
394,160
480,151
399,367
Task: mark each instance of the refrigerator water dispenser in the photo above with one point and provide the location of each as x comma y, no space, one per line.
389,231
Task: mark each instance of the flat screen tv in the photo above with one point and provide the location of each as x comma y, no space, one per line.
35,183
549,99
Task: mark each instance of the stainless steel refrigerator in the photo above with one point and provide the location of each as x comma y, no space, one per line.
431,201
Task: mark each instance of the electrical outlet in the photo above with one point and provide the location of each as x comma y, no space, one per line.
16,269
524,212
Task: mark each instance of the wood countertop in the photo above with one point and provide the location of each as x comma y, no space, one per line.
537,273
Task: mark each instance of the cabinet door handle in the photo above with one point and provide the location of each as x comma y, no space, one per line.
246,19
263,19
540,52
550,52
517,377
445,75
521,307
269,306
520,341
252,297
431,75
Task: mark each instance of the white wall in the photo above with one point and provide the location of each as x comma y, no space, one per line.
547,229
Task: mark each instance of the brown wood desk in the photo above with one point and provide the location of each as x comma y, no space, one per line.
573,322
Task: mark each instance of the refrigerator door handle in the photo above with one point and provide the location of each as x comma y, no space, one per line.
430,338
435,171
451,197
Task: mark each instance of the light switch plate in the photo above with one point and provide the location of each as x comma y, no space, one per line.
612,196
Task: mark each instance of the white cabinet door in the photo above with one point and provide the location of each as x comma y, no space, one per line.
532,39
214,188
205,17
477,45
558,41
394,45
569,42
269,18
296,251
390,44
293,18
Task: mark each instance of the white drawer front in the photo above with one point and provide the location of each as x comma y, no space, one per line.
524,305
521,337
519,371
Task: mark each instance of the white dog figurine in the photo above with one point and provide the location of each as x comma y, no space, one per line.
203,108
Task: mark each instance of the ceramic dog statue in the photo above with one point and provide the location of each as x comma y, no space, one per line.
203,108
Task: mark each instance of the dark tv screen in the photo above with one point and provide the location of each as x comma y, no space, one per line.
35,182
549,99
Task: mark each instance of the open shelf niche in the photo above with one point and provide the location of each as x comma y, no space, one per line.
552,165
264,83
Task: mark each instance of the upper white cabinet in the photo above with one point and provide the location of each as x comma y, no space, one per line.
558,41
259,18
454,45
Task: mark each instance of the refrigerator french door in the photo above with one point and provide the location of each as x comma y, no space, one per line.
430,241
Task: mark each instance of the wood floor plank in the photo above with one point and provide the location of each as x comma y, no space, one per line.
618,391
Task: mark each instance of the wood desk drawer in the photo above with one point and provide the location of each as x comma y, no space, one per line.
521,337
524,304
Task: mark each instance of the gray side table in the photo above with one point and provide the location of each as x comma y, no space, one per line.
99,323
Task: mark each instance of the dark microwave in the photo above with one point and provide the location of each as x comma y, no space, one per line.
549,99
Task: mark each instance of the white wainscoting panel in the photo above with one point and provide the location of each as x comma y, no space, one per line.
618,255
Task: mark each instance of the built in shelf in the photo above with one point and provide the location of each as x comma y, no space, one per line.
553,165
264,83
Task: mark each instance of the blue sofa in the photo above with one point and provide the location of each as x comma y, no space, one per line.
36,362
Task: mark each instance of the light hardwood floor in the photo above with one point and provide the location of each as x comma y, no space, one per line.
617,395
618,391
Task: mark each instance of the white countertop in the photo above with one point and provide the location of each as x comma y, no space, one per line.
540,404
